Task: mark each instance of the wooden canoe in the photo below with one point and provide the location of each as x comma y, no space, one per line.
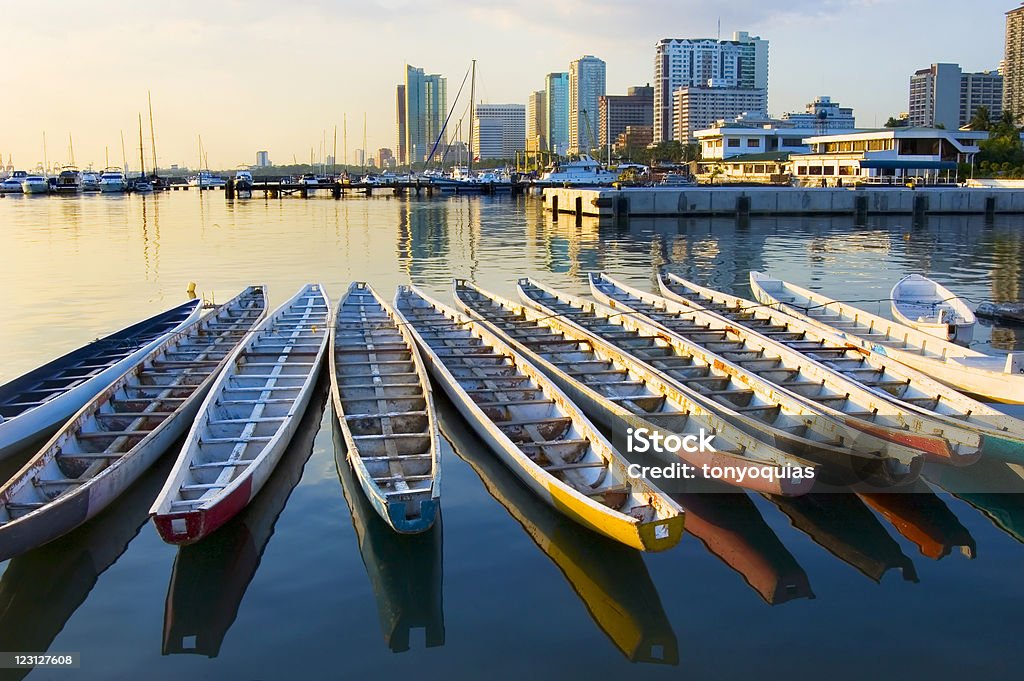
827,391
536,430
1002,434
382,400
111,441
36,403
209,580
770,413
610,579
619,392
928,306
999,378
247,420
406,571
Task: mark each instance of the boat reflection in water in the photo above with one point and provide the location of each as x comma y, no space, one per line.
405,571
846,528
729,525
611,579
41,589
923,518
210,577
993,487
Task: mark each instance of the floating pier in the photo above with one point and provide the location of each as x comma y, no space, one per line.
745,201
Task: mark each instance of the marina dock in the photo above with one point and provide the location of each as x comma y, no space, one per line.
693,201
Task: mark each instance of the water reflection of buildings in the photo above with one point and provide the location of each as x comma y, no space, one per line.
210,578
611,579
427,231
405,571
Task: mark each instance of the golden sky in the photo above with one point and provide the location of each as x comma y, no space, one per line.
249,75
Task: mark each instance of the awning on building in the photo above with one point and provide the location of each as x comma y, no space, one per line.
898,164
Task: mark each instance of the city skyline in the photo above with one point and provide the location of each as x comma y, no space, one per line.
251,76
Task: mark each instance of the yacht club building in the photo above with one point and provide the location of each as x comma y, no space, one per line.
885,156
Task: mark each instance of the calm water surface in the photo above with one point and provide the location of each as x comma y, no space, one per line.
308,584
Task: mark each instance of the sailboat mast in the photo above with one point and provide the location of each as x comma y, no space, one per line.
124,158
152,135
71,149
364,141
344,134
45,162
334,153
472,104
142,157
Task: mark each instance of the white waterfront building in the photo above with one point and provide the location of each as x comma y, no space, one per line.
823,116
697,108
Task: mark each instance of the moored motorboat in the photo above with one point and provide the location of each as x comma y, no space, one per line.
246,421
112,440
383,402
69,181
35,184
928,306
620,393
90,181
243,182
206,180
582,171
536,430
1003,435
777,364
999,378
37,402
773,415
12,183
112,181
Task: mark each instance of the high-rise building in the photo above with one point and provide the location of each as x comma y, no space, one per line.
1013,63
426,106
944,96
586,87
823,116
697,108
981,89
499,130
536,122
556,94
403,156
262,159
704,62
616,112
385,159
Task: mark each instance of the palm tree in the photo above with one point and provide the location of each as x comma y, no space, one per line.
981,119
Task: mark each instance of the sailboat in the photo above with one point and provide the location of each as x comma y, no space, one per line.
142,185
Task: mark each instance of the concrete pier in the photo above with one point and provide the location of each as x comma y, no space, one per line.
744,201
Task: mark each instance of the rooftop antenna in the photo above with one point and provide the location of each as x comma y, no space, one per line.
719,29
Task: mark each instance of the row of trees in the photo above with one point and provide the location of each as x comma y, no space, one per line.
672,151
1002,154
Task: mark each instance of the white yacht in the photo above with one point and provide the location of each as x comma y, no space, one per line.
584,170
35,184
90,181
112,181
12,185
205,179
69,181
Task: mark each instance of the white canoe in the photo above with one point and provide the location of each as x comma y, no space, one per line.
999,378
620,392
104,449
775,415
247,420
35,403
1002,434
535,429
385,408
928,306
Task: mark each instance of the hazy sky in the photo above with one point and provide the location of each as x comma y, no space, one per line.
261,74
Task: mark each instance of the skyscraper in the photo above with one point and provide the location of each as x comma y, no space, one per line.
499,130
617,112
403,154
1013,63
536,122
944,96
426,105
586,87
701,63
556,95
262,159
